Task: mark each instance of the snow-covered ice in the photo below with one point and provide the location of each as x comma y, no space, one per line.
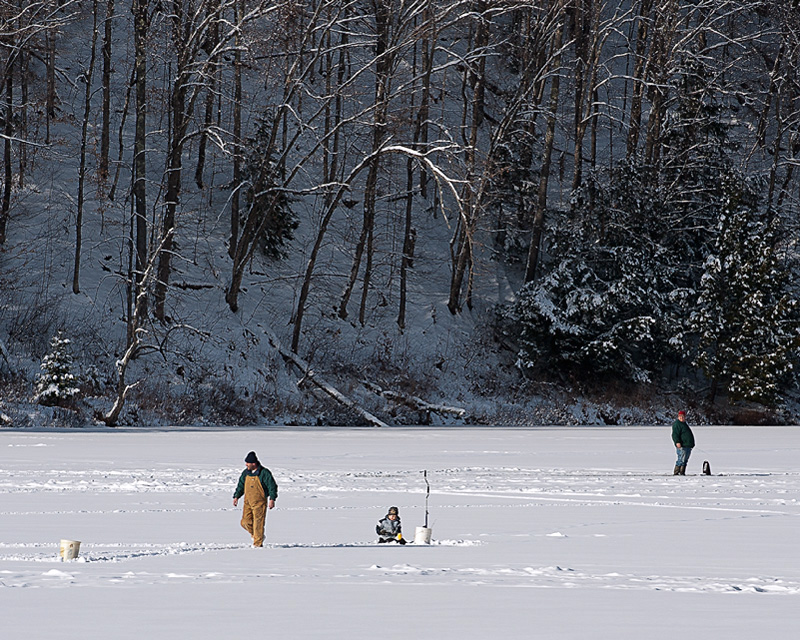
537,533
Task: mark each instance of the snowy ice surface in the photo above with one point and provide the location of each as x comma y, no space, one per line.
557,533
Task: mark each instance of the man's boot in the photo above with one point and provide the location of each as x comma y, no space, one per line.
682,470
676,471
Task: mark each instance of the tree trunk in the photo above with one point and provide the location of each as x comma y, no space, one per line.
105,132
212,39
382,67
428,46
237,132
588,53
50,100
407,259
139,8
332,196
87,106
666,22
172,196
121,133
477,78
203,144
580,34
778,157
408,243
312,261
310,375
635,118
461,259
341,75
24,60
191,32
7,160
547,157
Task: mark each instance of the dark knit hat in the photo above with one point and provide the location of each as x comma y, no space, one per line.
392,511
251,457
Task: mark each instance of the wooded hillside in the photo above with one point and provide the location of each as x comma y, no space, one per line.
620,175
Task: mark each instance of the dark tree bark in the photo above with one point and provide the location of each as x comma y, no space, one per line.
50,106
140,19
476,78
639,59
547,158
7,160
209,46
383,64
88,77
237,132
105,127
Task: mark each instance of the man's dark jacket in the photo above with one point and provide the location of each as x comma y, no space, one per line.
681,433
267,481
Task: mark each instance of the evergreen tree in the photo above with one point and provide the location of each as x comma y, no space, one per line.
56,385
269,207
746,320
603,306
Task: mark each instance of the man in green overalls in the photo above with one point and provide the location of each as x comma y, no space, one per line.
260,491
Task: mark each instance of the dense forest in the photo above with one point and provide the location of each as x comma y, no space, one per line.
619,173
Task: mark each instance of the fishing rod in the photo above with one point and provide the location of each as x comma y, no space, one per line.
427,495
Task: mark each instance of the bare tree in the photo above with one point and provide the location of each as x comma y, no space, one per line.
591,31
191,30
475,77
8,132
273,180
22,23
141,338
210,46
140,26
105,128
642,25
237,132
547,156
88,77
384,63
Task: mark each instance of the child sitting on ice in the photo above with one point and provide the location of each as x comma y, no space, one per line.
389,528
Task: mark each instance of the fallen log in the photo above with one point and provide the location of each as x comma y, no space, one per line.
311,376
414,402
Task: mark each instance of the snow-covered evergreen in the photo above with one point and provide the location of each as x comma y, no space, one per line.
57,385
603,306
746,318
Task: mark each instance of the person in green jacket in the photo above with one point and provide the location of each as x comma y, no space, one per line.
260,491
683,438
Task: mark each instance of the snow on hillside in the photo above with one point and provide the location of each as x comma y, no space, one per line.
215,364
546,532
210,364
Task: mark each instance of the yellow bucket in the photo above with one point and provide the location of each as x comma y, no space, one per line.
69,549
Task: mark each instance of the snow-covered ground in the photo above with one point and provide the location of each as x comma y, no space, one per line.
537,533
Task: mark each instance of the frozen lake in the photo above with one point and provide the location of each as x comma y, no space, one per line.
537,533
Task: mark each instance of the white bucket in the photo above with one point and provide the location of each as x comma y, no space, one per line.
423,535
69,549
